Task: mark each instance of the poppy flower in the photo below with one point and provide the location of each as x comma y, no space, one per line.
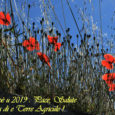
52,40
31,44
106,64
112,87
25,43
44,58
109,78
109,59
5,19
57,47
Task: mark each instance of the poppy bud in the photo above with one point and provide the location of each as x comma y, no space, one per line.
23,22
102,50
97,44
77,35
41,30
81,41
108,71
70,37
72,44
62,43
52,23
94,38
35,32
10,33
88,36
38,31
12,14
33,23
59,34
41,22
42,19
45,34
74,49
85,35
28,5
63,38
25,37
68,29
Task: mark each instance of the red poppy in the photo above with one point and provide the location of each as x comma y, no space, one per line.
26,43
106,64
31,44
112,87
57,47
5,19
109,78
44,58
109,59
52,40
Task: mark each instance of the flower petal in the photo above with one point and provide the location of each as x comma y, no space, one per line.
30,48
109,58
112,87
44,58
25,43
5,20
57,47
106,64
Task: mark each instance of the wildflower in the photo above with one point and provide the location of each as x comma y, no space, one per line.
57,47
52,40
109,78
107,64
109,59
31,44
112,87
44,58
5,19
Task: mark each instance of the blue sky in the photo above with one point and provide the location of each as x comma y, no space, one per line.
92,12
